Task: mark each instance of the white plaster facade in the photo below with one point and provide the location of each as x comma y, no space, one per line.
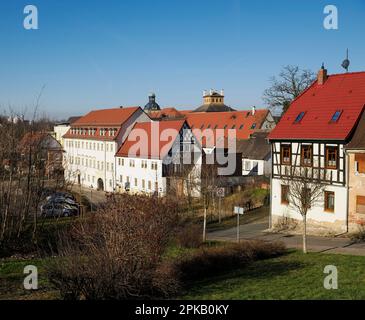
91,162
145,175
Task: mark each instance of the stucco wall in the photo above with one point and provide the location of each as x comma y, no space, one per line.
335,220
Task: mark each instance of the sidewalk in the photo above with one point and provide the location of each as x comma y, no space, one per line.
339,245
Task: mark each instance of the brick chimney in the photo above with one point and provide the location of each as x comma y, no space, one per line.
322,75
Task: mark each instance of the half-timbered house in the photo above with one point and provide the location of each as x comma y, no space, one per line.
310,140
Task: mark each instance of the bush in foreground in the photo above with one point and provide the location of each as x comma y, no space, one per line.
207,262
118,253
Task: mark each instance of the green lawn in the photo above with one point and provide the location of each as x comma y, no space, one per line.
12,277
293,276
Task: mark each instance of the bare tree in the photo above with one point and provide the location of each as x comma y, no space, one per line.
292,81
304,191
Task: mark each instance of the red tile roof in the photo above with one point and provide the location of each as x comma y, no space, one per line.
101,119
169,113
341,92
241,121
106,117
145,139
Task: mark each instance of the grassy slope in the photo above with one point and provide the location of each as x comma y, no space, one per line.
293,276
12,277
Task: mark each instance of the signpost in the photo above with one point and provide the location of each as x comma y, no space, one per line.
238,211
220,195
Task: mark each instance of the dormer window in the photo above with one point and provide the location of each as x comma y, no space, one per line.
253,126
241,127
336,116
300,117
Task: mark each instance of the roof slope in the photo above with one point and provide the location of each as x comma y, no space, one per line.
39,140
166,113
342,92
255,148
151,140
357,141
244,122
106,117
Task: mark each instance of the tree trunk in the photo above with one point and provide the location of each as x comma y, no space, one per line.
205,225
305,234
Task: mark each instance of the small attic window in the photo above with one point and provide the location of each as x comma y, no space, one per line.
241,127
202,126
253,126
215,127
336,116
234,126
300,117
225,127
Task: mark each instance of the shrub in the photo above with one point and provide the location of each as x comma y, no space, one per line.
208,262
189,236
117,254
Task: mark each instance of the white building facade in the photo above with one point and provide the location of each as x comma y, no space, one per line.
150,171
91,144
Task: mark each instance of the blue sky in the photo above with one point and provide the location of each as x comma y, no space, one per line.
93,54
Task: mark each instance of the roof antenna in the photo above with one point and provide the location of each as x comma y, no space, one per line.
346,63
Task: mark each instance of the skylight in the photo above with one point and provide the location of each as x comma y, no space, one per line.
299,117
336,116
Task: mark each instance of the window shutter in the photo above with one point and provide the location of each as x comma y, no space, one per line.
360,159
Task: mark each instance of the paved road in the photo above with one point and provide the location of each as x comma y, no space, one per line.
258,231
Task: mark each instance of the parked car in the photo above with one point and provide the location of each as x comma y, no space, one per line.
55,210
60,195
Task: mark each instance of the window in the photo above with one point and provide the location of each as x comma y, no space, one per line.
131,163
336,116
253,126
360,162
248,165
307,155
149,185
331,157
241,126
225,127
135,182
233,127
143,184
118,161
360,204
121,178
299,118
285,153
284,194
329,201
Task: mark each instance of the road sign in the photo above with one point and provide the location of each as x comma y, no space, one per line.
220,192
239,210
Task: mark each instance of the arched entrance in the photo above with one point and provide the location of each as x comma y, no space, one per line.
100,185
